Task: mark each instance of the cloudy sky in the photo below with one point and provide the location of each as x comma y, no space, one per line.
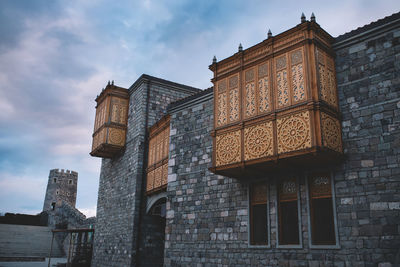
55,56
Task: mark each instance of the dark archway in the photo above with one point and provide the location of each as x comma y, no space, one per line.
153,235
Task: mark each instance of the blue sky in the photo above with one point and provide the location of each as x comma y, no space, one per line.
55,56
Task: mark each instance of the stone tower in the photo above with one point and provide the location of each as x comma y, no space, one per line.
61,186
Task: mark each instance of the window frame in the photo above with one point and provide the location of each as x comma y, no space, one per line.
310,244
249,245
299,213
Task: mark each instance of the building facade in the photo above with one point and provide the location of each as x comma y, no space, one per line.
292,159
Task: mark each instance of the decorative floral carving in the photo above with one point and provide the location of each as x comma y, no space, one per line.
298,83
233,82
263,70
164,180
296,57
249,75
331,135
258,141
264,95
150,181
288,190
228,148
320,186
327,83
119,108
283,91
281,62
294,132
222,86
234,105
116,137
250,99
221,109
158,177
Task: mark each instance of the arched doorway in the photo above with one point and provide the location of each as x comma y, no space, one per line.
153,232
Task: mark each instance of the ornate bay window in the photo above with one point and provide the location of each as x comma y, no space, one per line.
157,164
110,122
276,105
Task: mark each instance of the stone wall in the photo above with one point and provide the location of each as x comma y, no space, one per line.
120,200
61,185
207,215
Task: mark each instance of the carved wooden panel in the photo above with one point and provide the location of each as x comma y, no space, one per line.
297,72
264,91
258,141
294,132
158,177
320,186
150,181
164,179
228,148
326,76
221,109
119,108
158,152
331,133
233,105
282,88
110,121
288,190
259,193
116,136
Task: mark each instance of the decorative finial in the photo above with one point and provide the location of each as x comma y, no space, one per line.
214,59
312,17
303,17
112,82
240,47
108,83
269,33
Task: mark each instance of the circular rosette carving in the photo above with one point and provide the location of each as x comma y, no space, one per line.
258,140
116,137
294,133
331,132
228,148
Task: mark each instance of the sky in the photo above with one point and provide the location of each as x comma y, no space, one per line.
56,56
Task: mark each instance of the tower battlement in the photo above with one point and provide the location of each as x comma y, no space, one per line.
61,186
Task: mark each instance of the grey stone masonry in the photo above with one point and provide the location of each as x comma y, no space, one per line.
61,186
208,215
120,190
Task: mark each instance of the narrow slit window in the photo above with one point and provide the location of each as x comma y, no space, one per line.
321,210
258,214
288,213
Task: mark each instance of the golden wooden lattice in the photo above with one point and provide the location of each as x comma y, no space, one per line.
228,148
282,88
264,95
331,134
234,105
294,132
150,181
250,99
119,110
326,75
164,179
221,109
258,141
222,86
158,177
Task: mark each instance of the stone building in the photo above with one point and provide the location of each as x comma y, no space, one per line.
61,186
291,159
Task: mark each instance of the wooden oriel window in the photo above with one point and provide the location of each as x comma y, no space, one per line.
259,214
288,212
321,209
157,164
